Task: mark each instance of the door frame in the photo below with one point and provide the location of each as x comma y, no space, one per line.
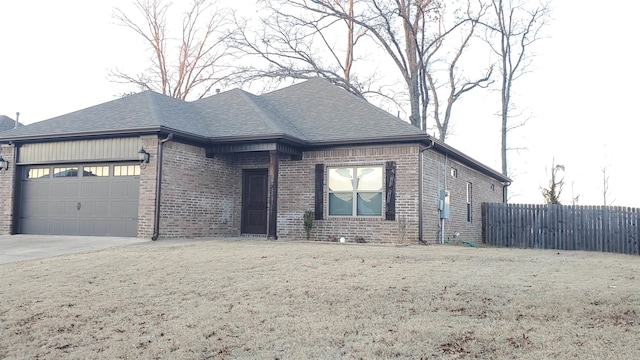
246,173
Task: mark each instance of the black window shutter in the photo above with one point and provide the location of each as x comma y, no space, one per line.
319,191
391,191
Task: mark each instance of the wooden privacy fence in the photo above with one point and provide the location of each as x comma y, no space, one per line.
591,228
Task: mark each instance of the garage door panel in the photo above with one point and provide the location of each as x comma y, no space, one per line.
132,209
133,190
70,208
55,227
69,227
122,227
57,189
102,227
87,189
108,205
39,189
35,207
119,189
118,208
101,209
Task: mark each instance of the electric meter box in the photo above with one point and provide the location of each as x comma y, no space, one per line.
443,203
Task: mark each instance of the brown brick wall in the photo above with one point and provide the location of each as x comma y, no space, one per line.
197,198
296,194
438,176
6,190
147,195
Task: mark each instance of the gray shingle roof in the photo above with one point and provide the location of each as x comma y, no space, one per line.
325,112
237,113
314,111
146,110
6,123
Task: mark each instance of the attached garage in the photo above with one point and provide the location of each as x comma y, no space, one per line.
80,199
80,187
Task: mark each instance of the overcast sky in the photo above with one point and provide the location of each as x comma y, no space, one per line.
582,93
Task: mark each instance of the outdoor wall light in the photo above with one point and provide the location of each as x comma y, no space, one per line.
143,156
4,165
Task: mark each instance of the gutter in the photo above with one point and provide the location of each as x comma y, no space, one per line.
421,192
156,221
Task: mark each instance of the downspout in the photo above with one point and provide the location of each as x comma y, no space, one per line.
444,176
17,192
504,191
421,191
156,221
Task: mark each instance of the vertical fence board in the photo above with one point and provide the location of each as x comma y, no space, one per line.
589,228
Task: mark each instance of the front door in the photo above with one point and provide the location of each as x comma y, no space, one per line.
254,201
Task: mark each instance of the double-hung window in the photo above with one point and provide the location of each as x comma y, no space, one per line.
355,191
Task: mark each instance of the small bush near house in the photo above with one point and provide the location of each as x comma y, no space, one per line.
308,222
360,240
333,238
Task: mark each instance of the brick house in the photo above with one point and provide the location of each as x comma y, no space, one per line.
233,164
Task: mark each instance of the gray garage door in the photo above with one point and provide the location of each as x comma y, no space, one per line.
89,199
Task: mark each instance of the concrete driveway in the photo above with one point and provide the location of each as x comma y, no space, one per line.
28,247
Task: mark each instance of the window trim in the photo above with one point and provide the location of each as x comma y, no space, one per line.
469,202
46,172
355,192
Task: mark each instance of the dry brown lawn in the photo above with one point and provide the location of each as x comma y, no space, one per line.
254,299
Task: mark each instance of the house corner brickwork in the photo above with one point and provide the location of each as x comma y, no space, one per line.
438,176
197,196
147,194
7,192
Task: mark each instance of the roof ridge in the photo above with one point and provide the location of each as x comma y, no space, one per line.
329,84
289,123
251,100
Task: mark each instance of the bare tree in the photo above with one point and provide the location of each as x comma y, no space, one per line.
556,183
514,29
182,67
605,187
455,85
298,44
574,198
406,31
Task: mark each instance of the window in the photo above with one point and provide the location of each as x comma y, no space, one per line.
492,187
454,172
126,170
38,173
95,171
469,202
65,172
362,184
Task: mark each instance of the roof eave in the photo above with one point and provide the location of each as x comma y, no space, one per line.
413,138
258,138
83,135
466,160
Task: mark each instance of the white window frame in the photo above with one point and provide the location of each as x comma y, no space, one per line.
469,201
355,192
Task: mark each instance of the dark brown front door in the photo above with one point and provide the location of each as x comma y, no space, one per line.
254,201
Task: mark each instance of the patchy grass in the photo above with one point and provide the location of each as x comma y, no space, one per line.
224,299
